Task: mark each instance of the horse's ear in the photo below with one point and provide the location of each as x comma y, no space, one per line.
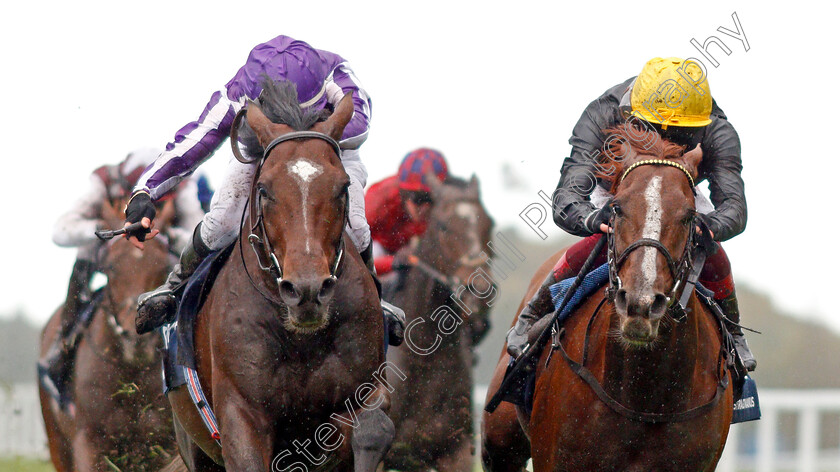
335,124
264,128
432,180
692,161
473,187
111,214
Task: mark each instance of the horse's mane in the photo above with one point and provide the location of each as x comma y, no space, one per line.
641,142
456,182
279,102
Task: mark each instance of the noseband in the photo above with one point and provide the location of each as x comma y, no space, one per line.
260,243
679,269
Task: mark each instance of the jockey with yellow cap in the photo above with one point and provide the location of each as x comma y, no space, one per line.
672,97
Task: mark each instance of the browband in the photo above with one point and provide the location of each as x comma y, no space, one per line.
303,135
660,162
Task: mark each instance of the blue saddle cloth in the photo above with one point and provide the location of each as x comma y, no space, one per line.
746,406
192,300
178,335
591,282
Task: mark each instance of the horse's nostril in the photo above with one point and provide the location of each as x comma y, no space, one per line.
621,300
657,308
289,292
327,289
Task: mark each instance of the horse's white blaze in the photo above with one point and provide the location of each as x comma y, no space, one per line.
469,213
304,172
652,230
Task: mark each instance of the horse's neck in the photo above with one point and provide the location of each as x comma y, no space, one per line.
657,379
421,297
429,252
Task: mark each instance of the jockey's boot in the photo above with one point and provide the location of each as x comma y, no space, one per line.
394,316
729,305
158,307
54,367
539,305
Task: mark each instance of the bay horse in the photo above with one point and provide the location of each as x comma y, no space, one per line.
660,396
121,418
446,294
290,338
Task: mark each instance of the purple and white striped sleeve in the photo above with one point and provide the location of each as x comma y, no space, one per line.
192,145
356,131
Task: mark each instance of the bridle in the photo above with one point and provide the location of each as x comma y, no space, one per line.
257,238
682,271
679,270
452,283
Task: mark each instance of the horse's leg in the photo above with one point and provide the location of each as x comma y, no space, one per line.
504,446
192,457
372,437
176,465
188,421
61,451
86,456
247,433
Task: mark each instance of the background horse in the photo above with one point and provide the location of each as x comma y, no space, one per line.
654,367
432,409
291,357
121,418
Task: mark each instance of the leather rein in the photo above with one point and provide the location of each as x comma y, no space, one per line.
685,273
257,238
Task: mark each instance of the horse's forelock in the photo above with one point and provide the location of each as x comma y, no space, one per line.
628,147
279,102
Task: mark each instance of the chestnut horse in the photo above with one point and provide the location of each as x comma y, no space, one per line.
446,295
290,337
121,417
659,396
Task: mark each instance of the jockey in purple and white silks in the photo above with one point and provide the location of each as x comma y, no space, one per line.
322,79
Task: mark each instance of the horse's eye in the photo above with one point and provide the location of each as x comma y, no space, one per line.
688,219
342,190
617,209
263,192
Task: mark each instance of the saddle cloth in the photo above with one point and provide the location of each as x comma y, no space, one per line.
178,335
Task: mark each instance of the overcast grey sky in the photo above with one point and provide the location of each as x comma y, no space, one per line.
496,86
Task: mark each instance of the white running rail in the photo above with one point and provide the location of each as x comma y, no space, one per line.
812,418
799,430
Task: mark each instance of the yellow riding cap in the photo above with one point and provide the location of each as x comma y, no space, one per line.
672,92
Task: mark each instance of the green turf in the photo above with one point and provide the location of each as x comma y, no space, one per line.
23,464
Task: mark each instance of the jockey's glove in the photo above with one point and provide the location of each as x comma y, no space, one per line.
140,206
593,221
